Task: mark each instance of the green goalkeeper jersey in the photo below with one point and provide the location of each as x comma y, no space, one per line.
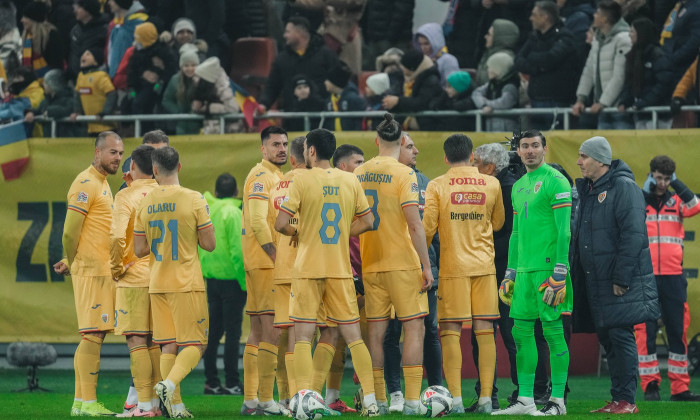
541,221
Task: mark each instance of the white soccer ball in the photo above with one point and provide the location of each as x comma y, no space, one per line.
435,401
307,405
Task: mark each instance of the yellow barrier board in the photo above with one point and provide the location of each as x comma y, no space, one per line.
37,305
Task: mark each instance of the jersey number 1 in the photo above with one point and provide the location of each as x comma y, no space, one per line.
172,228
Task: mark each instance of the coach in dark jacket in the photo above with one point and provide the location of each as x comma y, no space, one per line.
615,287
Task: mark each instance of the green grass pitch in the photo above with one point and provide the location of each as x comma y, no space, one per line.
588,393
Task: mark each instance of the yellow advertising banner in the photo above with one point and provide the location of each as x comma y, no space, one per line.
37,305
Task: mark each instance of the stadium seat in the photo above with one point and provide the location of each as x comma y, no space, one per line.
31,356
251,63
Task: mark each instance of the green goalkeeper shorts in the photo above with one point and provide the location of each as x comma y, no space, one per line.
527,300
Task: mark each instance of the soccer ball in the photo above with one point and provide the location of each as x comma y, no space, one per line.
435,401
308,405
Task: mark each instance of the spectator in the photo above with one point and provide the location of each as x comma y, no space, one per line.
10,39
58,104
680,37
90,31
456,96
306,99
465,26
386,24
179,93
615,287
226,290
128,14
42,47
578,17
209,17
603,76
421,85
390,63
304,53
344,97
214,95
378,86
686,90
634,9
184,32
549,59
150,69
646,76
501,92
26,95
503,36
94,91
430,40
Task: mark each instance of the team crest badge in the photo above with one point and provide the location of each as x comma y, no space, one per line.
258,187
414,187
671,202
538,185
602,196
104,317
206,206
82,197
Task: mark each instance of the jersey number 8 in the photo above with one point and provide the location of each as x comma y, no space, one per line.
330,223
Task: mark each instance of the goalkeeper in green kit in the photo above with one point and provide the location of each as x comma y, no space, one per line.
537,282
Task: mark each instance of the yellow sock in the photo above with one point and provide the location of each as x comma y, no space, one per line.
335,375
291,374
167,361
452,361
379,384
282,379
487,360
250,372
186,361
88,359
362,362
267,369
413,377
154,355
141,371
322,359
78,392
303,364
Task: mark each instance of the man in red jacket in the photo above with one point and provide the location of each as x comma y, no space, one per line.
665,212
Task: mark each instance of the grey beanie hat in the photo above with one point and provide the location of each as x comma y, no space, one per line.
598,148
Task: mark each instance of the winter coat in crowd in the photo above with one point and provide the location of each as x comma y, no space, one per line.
121,35
462,84
604,74
505,39
390,20
10,39
446,63
646,78
634,9
578,17
687,87
58,104
680,37
315,63
612,247
216,95
390,63
83,37
501,92
246,18
421,86
348,100
143,60
180,102
465,28
550,60
313,103
43,49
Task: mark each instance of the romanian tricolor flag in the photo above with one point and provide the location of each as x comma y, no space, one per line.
14,150
248,105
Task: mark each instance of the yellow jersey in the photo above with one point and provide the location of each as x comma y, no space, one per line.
121,237
327,201
286,254
258,216
389,186
170,217
465,207
90,196
93,88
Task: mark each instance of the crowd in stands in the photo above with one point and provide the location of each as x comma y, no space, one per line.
66,58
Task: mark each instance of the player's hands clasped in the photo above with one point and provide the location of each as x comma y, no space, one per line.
505,291
555,286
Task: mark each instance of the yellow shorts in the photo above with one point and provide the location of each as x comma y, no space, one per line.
336,295
282,292
94,302
398,288
132,315
259,284
181,318
466,298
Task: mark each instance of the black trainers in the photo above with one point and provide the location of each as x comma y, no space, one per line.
652,392
212,390
473,406
513,397
683,396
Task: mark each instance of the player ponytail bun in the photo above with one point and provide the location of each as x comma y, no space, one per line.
389,129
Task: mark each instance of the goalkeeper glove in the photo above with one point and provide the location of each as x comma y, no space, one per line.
505,291
555,286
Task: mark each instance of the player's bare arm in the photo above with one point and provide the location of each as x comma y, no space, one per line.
206,238
415,229
141,248
361,224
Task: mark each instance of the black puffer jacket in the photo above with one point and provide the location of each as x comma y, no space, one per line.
654,75
501,239
390,20
611,247
426,87
315,64
82,37
551,61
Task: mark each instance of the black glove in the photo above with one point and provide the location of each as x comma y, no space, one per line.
676,104
682,190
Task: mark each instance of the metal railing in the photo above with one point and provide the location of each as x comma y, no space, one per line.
478,115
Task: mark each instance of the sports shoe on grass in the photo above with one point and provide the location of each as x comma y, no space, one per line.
623,407
212,390
340,406
128,410
75,409
182,414
411,409
459,409
551,409
652,392
516,408
684,396
272,408
165,395
234,390
95,409
485,408
397,402
358,399
606,408
248,411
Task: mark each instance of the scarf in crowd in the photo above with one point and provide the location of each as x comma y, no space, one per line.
33,59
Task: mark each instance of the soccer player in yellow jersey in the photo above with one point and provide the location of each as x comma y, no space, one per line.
327,200
170,222
86,243
465,207
392,255
284,264
259,253
132,315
